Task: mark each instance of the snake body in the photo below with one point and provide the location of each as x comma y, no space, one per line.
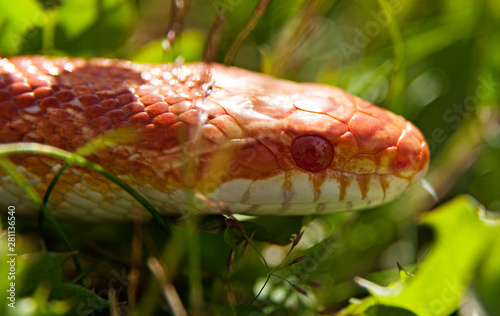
258,144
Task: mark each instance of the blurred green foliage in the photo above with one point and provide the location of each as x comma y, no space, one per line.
435,62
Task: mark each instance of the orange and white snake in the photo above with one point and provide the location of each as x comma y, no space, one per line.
259,144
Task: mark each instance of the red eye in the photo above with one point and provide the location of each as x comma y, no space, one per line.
312,153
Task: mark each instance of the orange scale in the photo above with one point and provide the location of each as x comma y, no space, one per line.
57,141
120,166
116,116
285,142
127,98
9,136
286,161
21,126
106,158
385,160
277,107
179,129
151,99
401,164
124,124
95,182
77,141
133,108
385,115
24,100
157,109
70,177
172,98
18,88
60,87
165,120
144,90
37,83
45,129
344,148
88,133
213,134
75,81
306,123
106,94
229,126
341,110
8,111
408,144
88,99
8,79
167,142
57,116
95,111
142,173
373,133
4,96
312,104
361,164
32,137
214,112
100,86
36,166
42,92
72,106
202,145
79,120
238,170
258,157
180,107
152,133
191,117
102,124
65,96
111,104
140,119
67,130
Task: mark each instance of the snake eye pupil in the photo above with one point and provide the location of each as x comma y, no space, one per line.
312,153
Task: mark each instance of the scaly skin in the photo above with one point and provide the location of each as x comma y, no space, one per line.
260,145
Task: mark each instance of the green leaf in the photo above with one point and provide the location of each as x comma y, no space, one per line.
103,26
17,23
76,16
462,240
388,311
488,279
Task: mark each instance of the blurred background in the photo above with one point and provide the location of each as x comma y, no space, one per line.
435,62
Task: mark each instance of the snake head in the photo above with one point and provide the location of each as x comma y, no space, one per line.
312,146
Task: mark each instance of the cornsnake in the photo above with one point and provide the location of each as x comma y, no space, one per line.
260,145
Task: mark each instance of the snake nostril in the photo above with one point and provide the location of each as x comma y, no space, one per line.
312,153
